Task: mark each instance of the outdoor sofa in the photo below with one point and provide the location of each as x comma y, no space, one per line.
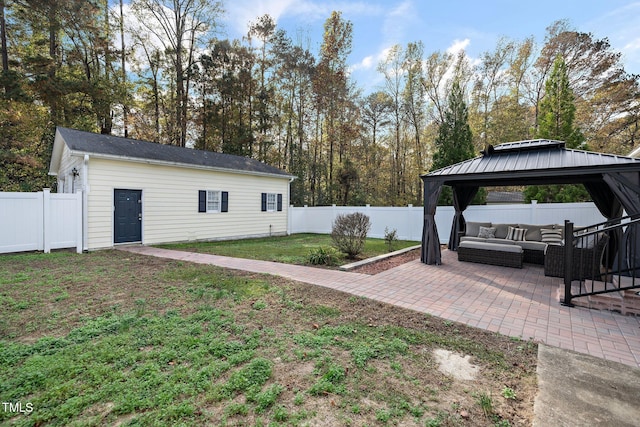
510,245
489,242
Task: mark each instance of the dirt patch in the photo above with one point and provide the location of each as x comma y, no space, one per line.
459,367
450,395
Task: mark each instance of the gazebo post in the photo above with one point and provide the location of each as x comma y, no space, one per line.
430,253
568,262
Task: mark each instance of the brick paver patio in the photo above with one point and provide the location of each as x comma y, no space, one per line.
515,302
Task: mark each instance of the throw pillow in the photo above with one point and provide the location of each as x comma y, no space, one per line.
516,233
551,236
487,232
473,228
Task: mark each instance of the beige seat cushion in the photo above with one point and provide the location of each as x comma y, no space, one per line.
491,246
538,246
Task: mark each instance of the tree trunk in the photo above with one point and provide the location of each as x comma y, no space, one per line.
3,38
56,116
125,107
104,108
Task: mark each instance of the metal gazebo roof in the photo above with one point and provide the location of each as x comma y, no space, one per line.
533,162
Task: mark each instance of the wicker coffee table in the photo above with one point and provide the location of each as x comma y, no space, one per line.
491,253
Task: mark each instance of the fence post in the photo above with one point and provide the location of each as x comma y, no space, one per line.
79,221
46,220
334,213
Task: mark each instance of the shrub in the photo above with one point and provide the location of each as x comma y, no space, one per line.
390,238
349,233
323,256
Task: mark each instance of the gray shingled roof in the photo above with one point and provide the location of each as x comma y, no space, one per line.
534,162
114,146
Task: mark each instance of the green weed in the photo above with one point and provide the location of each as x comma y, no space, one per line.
485,402
265,399
508,393
331,382
281,414
323,256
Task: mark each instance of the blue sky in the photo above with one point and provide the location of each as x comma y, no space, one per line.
441,25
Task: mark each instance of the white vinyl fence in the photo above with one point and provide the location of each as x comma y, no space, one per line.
40,221
408,220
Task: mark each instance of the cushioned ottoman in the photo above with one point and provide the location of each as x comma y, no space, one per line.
491,253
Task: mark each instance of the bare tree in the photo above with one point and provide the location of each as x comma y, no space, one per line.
182,26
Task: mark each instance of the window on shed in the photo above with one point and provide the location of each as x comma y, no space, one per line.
271,202
213,201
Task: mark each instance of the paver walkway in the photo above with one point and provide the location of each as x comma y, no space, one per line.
515,302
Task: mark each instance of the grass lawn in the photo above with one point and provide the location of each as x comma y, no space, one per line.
114,338
292,249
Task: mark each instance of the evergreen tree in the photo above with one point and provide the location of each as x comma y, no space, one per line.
558,110
556,121
454,141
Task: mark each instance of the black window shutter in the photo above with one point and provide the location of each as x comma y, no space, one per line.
264,202
225,202
202,201
279,202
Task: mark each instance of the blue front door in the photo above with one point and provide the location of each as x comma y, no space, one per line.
127,227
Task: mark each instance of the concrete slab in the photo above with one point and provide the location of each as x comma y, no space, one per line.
575,389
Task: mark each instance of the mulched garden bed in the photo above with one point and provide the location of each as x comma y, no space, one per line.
386,264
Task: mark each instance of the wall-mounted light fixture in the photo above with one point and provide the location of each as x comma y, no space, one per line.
74,173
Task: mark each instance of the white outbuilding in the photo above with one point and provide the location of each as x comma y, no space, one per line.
143,192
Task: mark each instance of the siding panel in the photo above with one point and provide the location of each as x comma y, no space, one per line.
66,181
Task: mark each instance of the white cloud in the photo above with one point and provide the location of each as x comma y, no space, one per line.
397,21
370,62
366,63
320,10
241,14
394,26
458,45
620,26
144,31
133,25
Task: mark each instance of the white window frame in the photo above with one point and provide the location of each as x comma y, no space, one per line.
214,201
272,202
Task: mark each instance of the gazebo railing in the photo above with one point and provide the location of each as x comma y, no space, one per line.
601,258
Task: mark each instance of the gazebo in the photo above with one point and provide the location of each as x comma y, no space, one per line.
612,181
